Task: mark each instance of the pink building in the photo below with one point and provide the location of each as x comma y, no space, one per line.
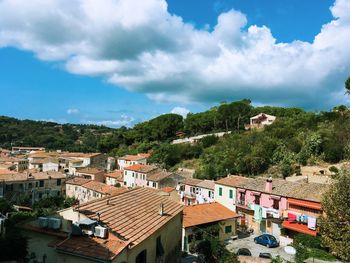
265,204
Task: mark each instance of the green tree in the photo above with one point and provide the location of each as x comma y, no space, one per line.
347,85
335,226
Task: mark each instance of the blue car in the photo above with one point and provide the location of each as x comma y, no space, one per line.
267,240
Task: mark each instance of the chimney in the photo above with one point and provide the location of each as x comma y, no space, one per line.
268,185
161,209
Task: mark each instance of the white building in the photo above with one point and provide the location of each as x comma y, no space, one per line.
261,120
225,190
129,160
196,191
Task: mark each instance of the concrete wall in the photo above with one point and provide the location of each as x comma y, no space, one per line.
225,199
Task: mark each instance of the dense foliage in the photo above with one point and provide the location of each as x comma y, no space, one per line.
335,227
310,247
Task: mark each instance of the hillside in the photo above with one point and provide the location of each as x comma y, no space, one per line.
296,137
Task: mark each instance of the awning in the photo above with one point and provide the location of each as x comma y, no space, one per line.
308,204
301,228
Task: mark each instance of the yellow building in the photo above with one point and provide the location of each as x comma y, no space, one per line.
199,218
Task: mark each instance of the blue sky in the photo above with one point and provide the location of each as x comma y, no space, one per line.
151,58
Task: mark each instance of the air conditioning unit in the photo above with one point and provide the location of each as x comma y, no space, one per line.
43,222
101,232
88,232
54,223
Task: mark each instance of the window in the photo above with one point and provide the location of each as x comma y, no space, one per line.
40,195
159,248
276,204
124,183
30,185
193,189
36,184
242,198
58,181
231,193
142,257
257,199
190,238
154,185
220,191
41,183
133,174
125,173
228,229
137,175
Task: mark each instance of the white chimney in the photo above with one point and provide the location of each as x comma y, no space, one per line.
161,209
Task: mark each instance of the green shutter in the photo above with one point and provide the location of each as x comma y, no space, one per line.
220,191
231,194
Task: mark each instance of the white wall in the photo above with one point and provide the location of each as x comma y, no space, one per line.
225,199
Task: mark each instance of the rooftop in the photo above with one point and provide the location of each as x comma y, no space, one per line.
158,176
104,188
78,181
117,174
32,176
192,181
133,215
168,189
89,170
233,180
132,157
206,213
141,168
208,184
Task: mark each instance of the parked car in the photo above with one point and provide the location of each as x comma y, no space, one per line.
265,255
267,240
244,252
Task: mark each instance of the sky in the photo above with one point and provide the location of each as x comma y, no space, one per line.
120,62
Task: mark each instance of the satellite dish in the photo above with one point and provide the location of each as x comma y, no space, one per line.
290,250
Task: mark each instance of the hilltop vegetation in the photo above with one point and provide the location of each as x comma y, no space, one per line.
296,138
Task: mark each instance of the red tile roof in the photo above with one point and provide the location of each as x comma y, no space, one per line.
93,247
233,180
168,189
132,157
89,170
133,215
104,188
78,181
303,203
141,168
206,213
117,174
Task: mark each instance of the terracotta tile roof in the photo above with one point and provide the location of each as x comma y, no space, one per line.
133,215
89,170
132,157
93,247
233,180
159,176
168,189
78,155
208,184
305,191
78,181
104,188
117,174
192,181
206,213
141,168
145,155
32,176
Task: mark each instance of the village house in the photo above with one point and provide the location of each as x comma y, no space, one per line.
115,178
225,190
129,160
263,204
198,218
37,185
14,163
94,174
135,226
136,175
260,120
85,190
196,191
25,150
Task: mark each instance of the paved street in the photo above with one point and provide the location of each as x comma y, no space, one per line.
255,249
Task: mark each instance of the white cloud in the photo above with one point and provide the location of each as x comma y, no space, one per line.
124,120
181,111
72,111
139,46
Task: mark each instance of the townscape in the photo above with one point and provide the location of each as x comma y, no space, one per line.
174,131
125,209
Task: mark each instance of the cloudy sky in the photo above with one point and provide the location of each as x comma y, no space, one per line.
118,62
